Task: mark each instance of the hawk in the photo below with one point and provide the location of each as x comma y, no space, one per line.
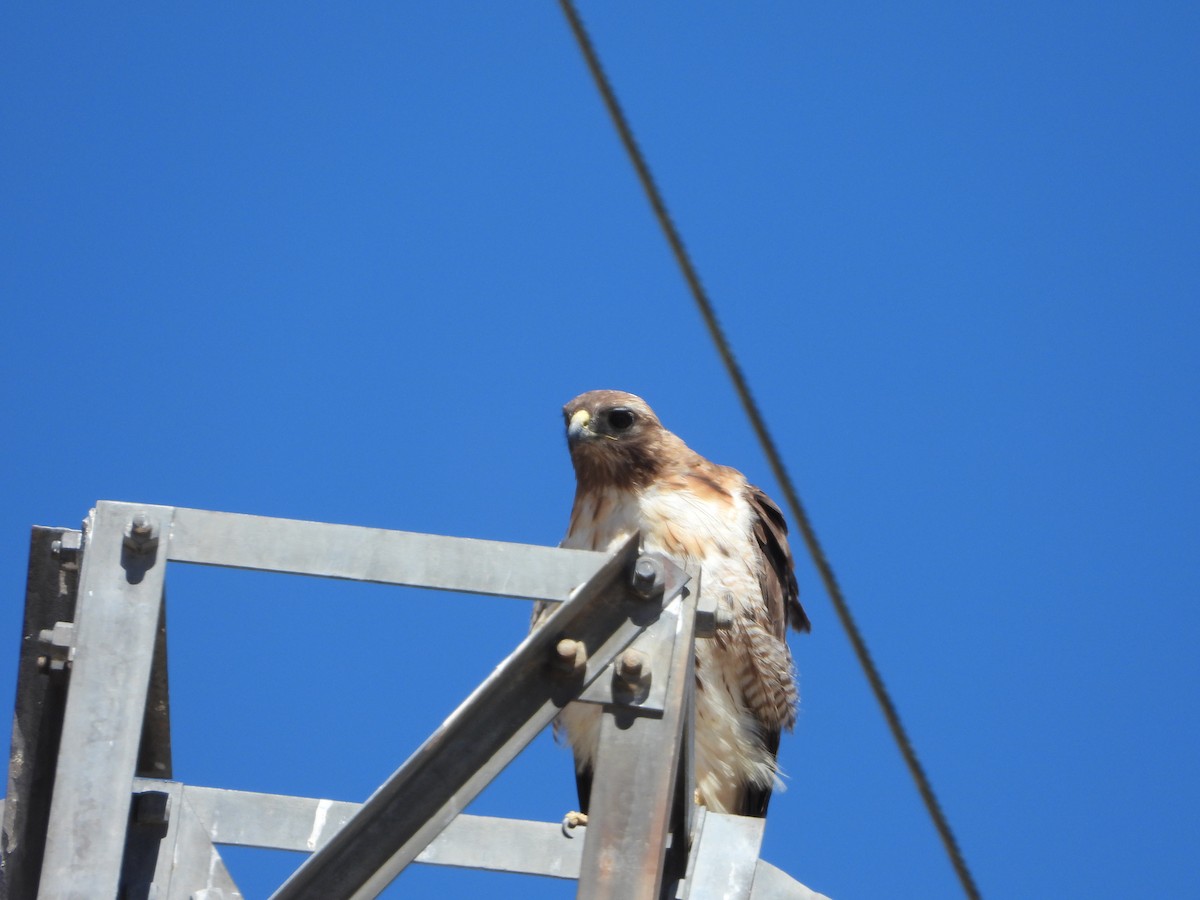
632,474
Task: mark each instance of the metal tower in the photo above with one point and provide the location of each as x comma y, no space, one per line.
92,812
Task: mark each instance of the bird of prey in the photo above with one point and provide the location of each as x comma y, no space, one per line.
632,474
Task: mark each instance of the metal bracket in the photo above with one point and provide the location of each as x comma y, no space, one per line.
638,680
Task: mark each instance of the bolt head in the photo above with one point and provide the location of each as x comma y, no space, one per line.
152,808
67,547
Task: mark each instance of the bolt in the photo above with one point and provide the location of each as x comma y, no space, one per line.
49,666
570,656
58,642
66,548
141,534
723,618
646,576
630,666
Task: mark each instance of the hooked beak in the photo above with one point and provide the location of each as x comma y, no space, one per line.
577,427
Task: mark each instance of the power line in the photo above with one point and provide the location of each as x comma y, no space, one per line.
773,456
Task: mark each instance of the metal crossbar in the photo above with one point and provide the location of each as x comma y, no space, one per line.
91,812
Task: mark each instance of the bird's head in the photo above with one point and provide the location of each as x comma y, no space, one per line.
615,440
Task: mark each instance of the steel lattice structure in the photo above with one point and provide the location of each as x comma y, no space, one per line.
91,810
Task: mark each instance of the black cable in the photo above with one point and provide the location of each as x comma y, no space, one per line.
773,456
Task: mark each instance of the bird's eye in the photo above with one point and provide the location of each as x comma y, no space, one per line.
620,419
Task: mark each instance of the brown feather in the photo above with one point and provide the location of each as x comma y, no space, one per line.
777,575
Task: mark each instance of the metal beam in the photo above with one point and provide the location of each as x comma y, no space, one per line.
771,883
197,872
270,821
385,557
726,851
279,822
625,855
481,737
50,592
305,824
154,752
120,594
726,847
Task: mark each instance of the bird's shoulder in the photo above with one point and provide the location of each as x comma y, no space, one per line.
702,479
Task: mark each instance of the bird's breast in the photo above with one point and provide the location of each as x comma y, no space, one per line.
673,520
602,519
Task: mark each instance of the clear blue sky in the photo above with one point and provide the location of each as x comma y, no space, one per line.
346,263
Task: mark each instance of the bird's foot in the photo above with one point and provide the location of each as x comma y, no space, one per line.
573,820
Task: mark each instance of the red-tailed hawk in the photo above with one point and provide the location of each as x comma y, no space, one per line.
634,475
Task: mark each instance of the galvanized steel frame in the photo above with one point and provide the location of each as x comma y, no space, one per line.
89,811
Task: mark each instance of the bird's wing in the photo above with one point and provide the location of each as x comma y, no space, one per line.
776,573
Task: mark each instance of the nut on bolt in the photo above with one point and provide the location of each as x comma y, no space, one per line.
67,547
647,575
631,667
152,808
58,643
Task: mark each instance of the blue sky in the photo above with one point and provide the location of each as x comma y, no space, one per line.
346,263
